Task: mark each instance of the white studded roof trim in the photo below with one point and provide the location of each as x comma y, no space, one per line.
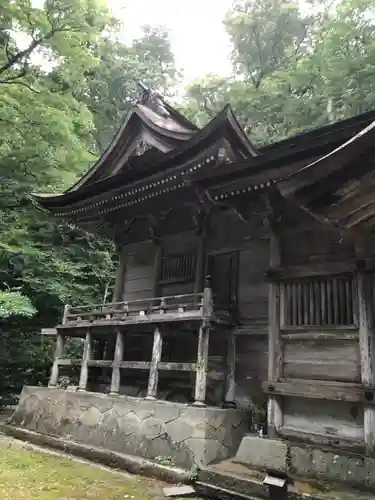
136,191
253,187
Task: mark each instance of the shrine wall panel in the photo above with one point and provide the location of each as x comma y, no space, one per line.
327,419
322,359
139,276
307,241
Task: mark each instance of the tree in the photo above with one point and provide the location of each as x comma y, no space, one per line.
112,84
58,29
47,141
294,72
266,35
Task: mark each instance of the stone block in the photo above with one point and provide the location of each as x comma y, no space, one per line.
178,430
263,453
132,425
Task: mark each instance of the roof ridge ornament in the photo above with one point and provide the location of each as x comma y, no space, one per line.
154,100
145,93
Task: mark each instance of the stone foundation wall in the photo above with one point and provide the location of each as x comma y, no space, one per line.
150,429
306,461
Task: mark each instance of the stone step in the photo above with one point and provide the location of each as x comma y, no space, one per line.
237,481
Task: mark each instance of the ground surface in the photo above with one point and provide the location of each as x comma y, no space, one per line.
29,473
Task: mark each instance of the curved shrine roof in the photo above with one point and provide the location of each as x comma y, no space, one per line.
316,169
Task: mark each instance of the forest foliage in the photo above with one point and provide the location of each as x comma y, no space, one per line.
66,82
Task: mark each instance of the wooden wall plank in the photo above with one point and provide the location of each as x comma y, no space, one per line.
334,419
322,359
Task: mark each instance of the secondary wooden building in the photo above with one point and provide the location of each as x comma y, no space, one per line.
245,275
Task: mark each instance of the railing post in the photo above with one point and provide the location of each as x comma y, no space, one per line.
152,389
84,366
230,389
66,312
58,354
116,373
207,299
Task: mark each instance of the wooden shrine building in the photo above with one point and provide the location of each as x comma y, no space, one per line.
245,279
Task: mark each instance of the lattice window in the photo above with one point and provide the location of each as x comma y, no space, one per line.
317,302
177,268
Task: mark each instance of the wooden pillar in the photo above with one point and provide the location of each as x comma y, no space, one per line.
230,386
59,349
367,351
152,389
201,261
202,365
85,359
208,306
157,266
275,363
118,293
116,373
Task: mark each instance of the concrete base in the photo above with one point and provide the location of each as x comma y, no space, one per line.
148,429
306,461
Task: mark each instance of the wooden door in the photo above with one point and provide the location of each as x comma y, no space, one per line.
223,269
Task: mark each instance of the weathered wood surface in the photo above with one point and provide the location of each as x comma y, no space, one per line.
315,389
156,356
331,359
365,290
66,312
319,301
119,354
353,445
59,350
69,362
202,365
87,352
139,276
150,310
335,419
253,288
251,366
230,385
275,361
157,267
308,242
201,262
118,292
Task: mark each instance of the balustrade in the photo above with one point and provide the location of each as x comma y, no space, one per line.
155,311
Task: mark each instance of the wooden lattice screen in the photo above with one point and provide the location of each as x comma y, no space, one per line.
177,268
317,301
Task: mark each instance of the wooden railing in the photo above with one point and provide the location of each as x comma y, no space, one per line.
159,309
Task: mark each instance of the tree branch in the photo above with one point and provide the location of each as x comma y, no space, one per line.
14,82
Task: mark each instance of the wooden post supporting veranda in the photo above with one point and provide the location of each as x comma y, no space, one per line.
230,386
85,359
59,350
274,409
152,389
118,296
203,345
58,354
367,349
116,367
